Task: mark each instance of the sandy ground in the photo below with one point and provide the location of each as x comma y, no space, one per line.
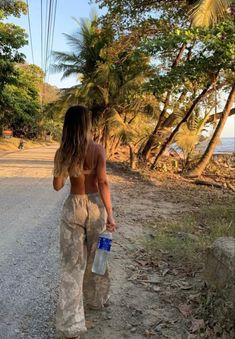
144,298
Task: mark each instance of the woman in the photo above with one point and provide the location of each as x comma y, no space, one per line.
86,213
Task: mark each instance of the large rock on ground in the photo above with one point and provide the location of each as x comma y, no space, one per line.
220,263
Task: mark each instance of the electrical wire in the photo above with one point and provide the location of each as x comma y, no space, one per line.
42,34
53,25
49,36
30,33
52,36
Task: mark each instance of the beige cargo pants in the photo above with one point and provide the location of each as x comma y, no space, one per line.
83,219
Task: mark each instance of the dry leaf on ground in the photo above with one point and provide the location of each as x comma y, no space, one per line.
197,325
185,309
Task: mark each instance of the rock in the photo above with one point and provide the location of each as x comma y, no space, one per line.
156,288
220,260
147,333
133,330
197,325
158,329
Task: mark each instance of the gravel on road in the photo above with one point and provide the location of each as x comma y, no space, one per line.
29,217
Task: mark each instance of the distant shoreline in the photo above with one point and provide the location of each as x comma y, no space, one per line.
227,146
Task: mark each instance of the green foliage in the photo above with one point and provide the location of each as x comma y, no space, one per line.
12,38
212,53
128,13
186,139
20,84
111,84
21,100
189,136
54,128
12,7
86,44
147,48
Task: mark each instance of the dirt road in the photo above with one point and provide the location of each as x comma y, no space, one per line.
141,302
29,210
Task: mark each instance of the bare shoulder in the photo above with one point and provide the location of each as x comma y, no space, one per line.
99,149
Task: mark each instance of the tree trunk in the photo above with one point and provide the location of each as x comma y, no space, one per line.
150,141
175,131
197,171
133,157
217,116
113,146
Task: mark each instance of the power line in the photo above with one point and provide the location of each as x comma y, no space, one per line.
42,34
52,36
54,21
48,20
50,31
30,33
47,32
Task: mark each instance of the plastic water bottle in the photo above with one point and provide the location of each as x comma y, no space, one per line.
102,252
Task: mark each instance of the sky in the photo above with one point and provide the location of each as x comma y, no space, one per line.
66,11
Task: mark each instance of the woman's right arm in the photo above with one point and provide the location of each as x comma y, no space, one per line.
58,179
104,188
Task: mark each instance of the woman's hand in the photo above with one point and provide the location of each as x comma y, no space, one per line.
110,224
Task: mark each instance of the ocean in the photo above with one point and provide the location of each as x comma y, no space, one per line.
227,146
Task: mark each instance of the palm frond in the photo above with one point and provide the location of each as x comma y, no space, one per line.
105,94
74,41
208,12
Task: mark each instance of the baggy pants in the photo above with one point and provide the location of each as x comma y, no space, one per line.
83,219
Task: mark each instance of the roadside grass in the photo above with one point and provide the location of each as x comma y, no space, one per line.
186,237
12,144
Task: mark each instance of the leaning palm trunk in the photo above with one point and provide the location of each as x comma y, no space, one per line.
147,148
197,171
175,131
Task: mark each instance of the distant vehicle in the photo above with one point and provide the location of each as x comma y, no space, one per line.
7,134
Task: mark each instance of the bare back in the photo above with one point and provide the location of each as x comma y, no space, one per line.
87,181
92,180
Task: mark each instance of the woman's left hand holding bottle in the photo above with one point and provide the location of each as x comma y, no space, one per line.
110,224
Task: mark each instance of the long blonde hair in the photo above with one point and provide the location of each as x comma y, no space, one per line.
76,135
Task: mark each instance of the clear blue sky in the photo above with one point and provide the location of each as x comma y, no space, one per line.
66,10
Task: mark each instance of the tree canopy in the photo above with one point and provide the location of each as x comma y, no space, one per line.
23,94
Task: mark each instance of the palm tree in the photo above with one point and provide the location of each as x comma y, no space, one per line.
109,80
208,12
86,44
197,171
